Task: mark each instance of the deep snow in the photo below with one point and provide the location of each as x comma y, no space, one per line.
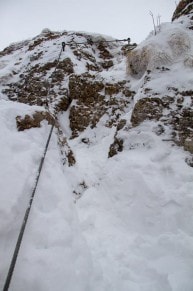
123,223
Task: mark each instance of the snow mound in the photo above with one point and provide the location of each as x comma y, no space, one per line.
53,252
172,44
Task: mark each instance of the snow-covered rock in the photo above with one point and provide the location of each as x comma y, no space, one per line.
113,207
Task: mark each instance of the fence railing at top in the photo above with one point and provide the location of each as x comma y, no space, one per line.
91,42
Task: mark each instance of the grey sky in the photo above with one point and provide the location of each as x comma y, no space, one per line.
22,19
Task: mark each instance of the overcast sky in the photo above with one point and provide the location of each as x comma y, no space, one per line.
22,19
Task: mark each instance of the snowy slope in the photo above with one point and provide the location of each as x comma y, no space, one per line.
137,213
53,248
120,223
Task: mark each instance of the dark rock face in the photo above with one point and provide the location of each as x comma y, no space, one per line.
92,101
84,88
43,37
89,100
63,104
180,119
33,86
184,128
147,109
13,47
115,147
66,66
35,120
104,52
184,7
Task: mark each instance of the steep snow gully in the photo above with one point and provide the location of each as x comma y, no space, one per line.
120,216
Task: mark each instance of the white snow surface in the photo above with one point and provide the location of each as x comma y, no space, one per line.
124,223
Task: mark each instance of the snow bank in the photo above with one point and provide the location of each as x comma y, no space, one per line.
137,213
53,254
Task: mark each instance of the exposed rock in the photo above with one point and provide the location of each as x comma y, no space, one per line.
80,189
91,67
94,99
66,66
58,76
33,90
116,88
188,144
35,120
147,109
121,124
13,47
115,147
46,67
81,54
189,161
111,89
86,91
107,64
184,127
184,7
71,158
63,104
79,119
128,93
85,88
87,96
85,140
104,52
65,150
44,36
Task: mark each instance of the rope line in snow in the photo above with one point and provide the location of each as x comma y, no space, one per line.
49,85
27,212
25,219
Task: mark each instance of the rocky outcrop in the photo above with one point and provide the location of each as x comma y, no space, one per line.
94,99
81,84
147,109
86,95
87,92
183,125
168,111
115,147
65,150
35,120
185,7
34,88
